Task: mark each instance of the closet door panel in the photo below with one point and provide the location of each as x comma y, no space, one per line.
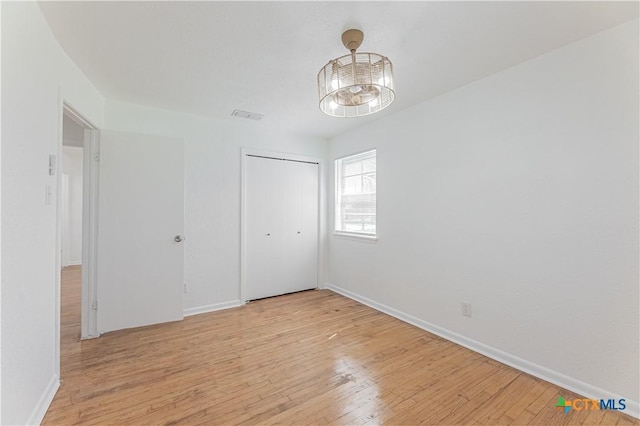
281,227
301,228
264,228
291,199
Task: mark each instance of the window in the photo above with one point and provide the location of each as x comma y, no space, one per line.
356,194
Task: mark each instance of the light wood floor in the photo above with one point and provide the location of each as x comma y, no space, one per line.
307,358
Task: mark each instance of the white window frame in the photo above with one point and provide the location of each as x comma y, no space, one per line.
361,236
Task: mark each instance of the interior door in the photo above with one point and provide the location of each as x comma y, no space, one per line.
140,263
281,220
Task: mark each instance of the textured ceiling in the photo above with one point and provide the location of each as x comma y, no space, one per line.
209,58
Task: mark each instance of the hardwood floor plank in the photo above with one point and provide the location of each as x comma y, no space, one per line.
312,358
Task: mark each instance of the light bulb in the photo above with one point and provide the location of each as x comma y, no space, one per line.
355,89
335,84
333,105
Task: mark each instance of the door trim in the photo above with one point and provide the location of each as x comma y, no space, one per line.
90,197
245,152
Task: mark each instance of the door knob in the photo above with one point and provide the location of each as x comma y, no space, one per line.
178,238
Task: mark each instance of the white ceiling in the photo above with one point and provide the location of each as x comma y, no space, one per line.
209,58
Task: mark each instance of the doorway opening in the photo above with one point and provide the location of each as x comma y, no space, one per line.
71,200
77,194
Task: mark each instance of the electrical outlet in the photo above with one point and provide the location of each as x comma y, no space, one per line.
186,288
466,309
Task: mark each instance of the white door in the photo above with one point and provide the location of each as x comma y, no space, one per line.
281,219
264,230
140,265
301,225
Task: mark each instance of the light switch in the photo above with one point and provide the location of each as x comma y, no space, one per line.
52,165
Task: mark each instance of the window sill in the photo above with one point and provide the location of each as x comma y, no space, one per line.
356,237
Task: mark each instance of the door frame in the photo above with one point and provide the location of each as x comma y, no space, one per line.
89,223
90,197
244,152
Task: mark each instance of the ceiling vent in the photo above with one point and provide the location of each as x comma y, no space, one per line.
246,114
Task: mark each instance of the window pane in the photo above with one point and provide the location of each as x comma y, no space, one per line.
356,193
369,165
351,169
369,183
352,185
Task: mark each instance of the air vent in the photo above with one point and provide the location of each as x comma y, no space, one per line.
247,114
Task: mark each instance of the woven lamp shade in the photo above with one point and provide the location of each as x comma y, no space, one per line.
355,85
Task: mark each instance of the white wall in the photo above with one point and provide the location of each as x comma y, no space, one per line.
212,190
72,222
519,194
34,69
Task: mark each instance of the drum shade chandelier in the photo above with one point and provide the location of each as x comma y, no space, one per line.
356,84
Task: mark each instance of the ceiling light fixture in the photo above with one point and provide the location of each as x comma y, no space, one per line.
356,84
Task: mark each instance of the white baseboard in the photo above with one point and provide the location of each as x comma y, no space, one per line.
552,376
45,400
211,308
75,263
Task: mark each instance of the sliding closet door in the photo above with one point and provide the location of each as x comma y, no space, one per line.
281,226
